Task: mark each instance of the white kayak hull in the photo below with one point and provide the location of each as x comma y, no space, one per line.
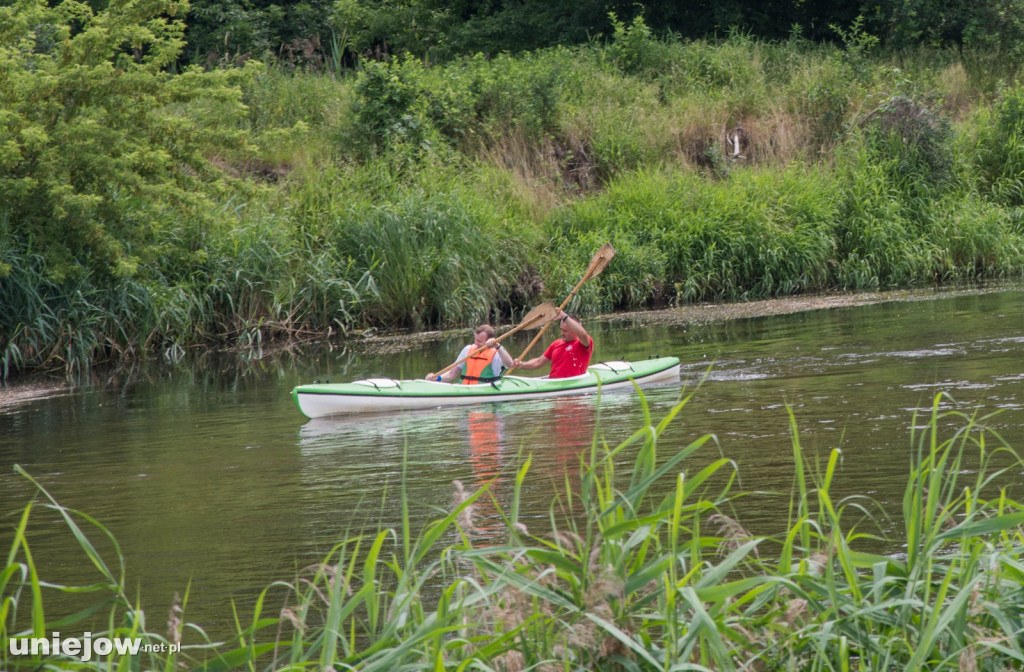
381,395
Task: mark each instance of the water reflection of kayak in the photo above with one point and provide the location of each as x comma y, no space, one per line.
376,395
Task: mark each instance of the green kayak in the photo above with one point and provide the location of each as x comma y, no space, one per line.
375,395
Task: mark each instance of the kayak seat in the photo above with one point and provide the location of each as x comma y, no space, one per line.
378,383
615,366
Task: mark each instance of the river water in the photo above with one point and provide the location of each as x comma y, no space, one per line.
212,481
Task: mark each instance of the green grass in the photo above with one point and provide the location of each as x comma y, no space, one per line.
411,195
640,568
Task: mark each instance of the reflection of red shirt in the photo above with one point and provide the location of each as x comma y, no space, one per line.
568,358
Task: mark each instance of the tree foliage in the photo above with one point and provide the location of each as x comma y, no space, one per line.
319,32
940,23
220,32
431,28
95,152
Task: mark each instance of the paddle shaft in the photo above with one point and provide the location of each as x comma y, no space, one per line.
545,327
601,259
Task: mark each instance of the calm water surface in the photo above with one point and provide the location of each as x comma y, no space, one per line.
211,480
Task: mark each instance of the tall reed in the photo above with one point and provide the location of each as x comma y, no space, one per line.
636,569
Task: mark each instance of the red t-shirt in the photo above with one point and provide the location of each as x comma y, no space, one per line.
568,358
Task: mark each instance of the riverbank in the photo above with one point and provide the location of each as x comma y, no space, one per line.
421,196
720,312
710,312
18,392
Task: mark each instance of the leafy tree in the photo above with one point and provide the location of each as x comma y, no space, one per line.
440,29
940,23
532,24
101,146
376,29
236,30
444,29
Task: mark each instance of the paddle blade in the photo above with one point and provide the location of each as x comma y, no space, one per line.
539,316
600,259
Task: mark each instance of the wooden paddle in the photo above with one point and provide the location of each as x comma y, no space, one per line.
597,264
540,316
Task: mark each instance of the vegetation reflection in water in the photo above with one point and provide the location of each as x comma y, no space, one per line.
640,571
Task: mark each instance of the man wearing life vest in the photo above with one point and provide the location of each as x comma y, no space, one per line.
480,367
569,355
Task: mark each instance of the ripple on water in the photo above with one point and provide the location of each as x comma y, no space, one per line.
950,385
926,352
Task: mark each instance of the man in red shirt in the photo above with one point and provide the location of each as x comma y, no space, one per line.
569,355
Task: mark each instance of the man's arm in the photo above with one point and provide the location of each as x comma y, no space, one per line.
502,355
455,372
574,325
534,363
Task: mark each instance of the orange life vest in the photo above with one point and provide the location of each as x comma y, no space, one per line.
475,366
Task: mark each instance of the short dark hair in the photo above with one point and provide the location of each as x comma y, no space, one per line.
488,329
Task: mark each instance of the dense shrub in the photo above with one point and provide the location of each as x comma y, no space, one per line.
154,211
1000,147
438,259
474,100
754,236
913,143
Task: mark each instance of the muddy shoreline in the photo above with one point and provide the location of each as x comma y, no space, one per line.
22,391
721,312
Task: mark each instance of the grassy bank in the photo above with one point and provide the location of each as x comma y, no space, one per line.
643,570
262,203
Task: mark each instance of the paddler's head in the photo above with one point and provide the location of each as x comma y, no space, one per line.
482,333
